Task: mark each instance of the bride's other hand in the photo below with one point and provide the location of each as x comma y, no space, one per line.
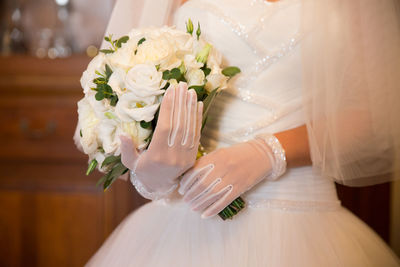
223,175
174,145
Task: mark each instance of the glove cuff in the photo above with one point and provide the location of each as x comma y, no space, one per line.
278,155
144,192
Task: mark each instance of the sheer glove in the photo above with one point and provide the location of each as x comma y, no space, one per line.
223,175
173,148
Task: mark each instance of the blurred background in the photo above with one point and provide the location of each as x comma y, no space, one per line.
51,214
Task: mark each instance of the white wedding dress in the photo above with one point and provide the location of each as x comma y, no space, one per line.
294,221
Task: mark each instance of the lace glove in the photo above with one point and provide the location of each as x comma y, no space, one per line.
223,175
173,148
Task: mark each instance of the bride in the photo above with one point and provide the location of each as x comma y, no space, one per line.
322,77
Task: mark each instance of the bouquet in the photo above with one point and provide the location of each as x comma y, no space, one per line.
123,87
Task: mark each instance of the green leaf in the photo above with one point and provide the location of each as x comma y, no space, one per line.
230,71
115,172
189,26
122,40
103,179
91,167
114,100
175,73
207,103
107,39
206,70
99,96
145,124
99,80
111,159
141,41
200,91
80,133
198,31
107,51
108,72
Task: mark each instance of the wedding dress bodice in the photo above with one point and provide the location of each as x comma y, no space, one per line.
263,39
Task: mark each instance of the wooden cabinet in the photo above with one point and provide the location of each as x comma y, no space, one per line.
51,214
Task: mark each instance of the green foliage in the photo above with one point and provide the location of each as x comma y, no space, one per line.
206,70
145,124
200,91
139,43
115,44
207,104
230,71
175,73
104,91
116,169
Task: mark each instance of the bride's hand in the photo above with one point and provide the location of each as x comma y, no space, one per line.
174,145
223,175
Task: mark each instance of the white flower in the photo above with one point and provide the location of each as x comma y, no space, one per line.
124,56
195,77
130,108
158,50
97,63
117,81
108,133
137,133
98,107
144,80
214,59
191,62
216,80
88,122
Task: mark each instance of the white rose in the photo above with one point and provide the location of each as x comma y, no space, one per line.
88,122
158,50
130,108
124,56
216,80
97,63
144,80
108,133
117,81
195,77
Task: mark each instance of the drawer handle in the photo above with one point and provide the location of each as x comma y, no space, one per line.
25,128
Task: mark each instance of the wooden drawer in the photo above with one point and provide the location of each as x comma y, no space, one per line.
38,108
38,127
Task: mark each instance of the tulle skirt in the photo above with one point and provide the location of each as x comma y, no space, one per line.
169,234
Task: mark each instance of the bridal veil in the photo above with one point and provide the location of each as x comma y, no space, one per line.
351,83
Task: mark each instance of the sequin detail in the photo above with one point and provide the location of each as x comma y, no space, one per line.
291,205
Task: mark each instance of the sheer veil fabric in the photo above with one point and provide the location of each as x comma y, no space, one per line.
128,14
351,76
